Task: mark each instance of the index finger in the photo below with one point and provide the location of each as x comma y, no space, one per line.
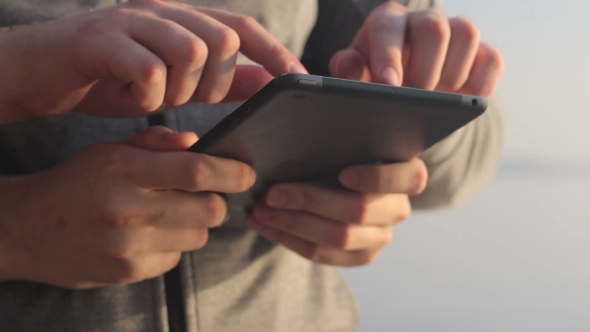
258,44
382,41
189,171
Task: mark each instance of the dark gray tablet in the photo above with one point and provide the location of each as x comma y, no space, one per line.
308,128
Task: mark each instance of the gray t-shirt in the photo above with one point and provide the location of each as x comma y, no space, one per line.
238,281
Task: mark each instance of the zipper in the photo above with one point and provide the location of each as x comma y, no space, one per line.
172,278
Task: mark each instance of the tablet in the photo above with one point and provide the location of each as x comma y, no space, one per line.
308,128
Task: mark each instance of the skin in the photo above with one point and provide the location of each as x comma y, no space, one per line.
116,213
134,59
103,217
421,49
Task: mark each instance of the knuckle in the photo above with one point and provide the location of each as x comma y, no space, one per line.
195,52
123,247
151,71
128,271
215,209
197,172
420,180
436,24
227,41
100,25
465,28
115,215
493,58
246,22
491,62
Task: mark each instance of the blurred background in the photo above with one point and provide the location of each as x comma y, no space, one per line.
517,256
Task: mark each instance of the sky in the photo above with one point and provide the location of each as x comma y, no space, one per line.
517,256
546,45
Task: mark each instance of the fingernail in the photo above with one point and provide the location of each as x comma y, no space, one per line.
350,177
390,76
263,213
276,197
297,68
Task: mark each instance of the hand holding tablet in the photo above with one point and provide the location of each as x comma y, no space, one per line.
304,127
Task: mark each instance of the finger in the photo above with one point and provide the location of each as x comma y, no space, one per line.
322,231
465,39
405,178
314,252
486,72
350,64
170,240
188,171
141,73
339,205
184,52
385,32
141,241
160,138
258,44
161,221
222,43
174,209
247,81
429,33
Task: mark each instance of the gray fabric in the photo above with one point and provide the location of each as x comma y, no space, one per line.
16,12
238,281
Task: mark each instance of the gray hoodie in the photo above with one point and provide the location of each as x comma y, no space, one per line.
238,281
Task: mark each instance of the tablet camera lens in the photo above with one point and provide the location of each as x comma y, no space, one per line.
474,102
299,95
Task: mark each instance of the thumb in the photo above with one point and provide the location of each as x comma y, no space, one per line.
248,79
160,138
350,64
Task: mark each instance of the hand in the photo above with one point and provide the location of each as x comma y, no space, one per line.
135,58
341,227
420,49
117,213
